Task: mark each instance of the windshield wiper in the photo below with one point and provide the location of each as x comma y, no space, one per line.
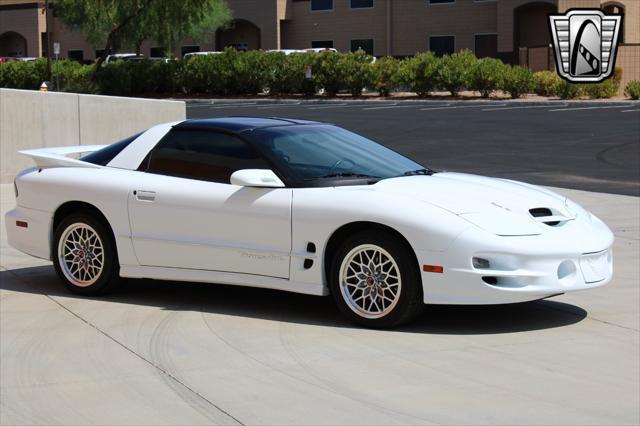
426,172
339,175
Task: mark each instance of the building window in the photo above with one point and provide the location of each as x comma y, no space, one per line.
361,4
441,1
189,49
321,4
322,44
442,45
75,55
45,44
157,52
365,44
486,45
612,9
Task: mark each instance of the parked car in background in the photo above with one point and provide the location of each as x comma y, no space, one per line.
121,56
192,54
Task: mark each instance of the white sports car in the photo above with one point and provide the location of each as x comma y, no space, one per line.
300,206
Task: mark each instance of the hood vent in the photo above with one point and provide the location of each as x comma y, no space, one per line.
548,217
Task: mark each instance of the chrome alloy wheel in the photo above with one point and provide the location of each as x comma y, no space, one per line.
370,281
81,254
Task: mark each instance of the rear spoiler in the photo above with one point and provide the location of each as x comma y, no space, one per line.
59,156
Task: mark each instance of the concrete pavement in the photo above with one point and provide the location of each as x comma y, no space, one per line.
171,353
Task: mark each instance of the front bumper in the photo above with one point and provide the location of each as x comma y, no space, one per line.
574,257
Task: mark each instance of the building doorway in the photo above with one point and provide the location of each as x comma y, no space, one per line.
531,24
241,35
13,44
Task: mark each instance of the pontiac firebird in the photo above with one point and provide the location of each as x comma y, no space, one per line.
300,206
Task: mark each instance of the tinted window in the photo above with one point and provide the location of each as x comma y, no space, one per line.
442,45
357,4
202,155
321,4
322,44
105,155
486,45
316,151
366,45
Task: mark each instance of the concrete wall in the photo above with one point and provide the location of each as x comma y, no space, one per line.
31,119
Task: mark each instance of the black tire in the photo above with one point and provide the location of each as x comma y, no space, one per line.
409,303
108,277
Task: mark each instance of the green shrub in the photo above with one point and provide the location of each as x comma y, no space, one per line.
386,75
517,81
357,71
454,72
486,75
568,90
419,73
605,89
71,76
252,71
329,74
23,74
547,83
632,90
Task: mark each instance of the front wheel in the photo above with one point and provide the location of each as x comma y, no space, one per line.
375,281
84,255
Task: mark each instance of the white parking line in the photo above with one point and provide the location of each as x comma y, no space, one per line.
457,107
630,110
330,106
592,107
523,107
220,105
398,106
233,106
279,105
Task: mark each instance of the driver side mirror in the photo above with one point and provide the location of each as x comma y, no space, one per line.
257,178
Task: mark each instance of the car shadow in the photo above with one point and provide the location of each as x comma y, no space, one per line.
282,306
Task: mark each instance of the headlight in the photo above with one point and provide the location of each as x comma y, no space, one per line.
503,223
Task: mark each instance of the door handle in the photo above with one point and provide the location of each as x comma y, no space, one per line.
145,195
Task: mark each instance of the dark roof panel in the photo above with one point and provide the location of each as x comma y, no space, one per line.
239,124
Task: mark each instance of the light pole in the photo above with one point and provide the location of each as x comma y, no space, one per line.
46,22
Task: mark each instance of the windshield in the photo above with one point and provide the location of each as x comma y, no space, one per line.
312,152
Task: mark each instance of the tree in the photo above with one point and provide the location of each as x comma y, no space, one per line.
124,23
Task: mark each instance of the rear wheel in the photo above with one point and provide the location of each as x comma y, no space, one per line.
84,255
374,280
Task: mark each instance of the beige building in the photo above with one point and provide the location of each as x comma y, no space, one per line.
513,30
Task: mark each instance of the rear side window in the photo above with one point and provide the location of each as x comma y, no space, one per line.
202,155
106,154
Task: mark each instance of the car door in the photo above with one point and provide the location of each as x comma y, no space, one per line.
184,213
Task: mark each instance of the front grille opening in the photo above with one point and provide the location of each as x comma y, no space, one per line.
543,212
490,280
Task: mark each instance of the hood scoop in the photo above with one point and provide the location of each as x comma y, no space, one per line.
549,217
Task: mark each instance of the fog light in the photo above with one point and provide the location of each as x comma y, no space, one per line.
480,263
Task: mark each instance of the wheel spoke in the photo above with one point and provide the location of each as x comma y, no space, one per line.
370,280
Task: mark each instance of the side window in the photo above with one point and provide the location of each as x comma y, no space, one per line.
108,153
202,155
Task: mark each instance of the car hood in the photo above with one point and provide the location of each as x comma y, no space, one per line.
500,206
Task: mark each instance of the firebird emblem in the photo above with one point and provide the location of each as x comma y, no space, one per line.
585,43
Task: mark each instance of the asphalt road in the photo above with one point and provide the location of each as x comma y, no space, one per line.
177,353
593,146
